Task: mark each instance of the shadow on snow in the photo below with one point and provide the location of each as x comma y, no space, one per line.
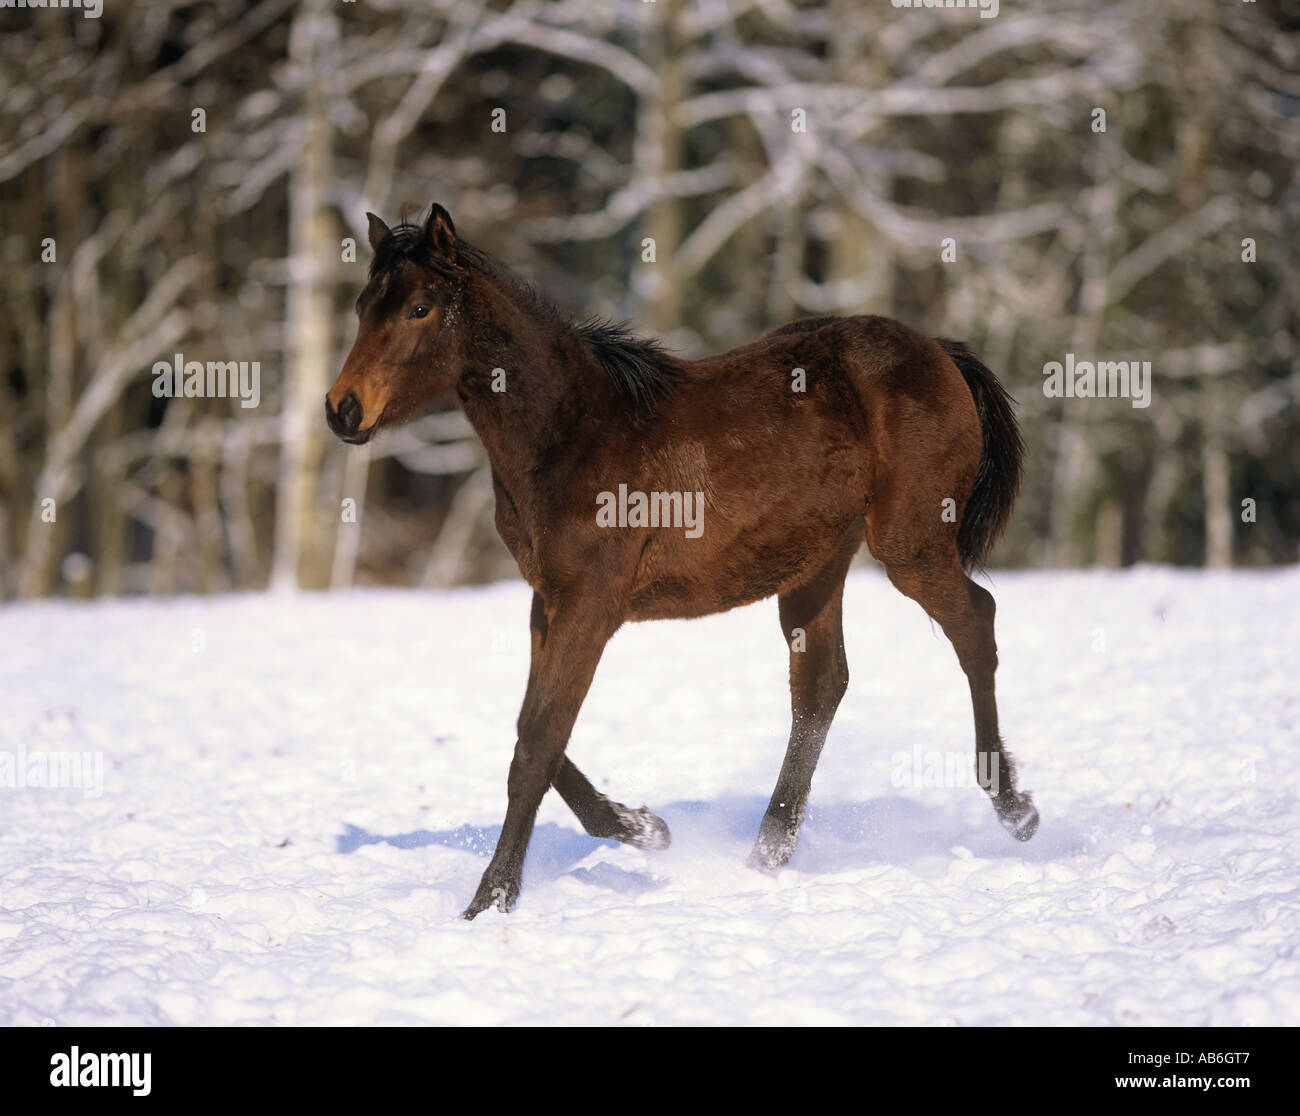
835,837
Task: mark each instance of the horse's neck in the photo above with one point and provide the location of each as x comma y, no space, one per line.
550,381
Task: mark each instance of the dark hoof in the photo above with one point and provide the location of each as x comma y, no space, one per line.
1019,817
771,855
502,896
642,830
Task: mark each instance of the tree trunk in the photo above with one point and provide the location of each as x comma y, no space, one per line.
309,345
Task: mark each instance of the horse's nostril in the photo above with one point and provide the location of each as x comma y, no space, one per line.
350,413
346,420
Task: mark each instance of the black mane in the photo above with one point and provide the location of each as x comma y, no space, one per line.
640,368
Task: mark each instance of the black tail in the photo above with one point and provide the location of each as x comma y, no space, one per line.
998,478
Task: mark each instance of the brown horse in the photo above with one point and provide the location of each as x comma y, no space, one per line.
632,485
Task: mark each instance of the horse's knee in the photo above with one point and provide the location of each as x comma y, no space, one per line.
819,679
837,684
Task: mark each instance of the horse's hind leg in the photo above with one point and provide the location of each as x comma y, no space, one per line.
811,618
936,581
602,817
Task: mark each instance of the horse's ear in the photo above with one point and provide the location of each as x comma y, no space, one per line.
439,232
377,231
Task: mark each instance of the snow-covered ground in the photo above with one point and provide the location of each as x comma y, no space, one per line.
298,796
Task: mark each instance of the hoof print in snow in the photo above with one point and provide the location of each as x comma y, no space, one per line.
1157,926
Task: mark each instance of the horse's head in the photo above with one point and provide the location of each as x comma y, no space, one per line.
408,346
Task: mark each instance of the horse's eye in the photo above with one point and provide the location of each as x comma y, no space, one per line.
418,312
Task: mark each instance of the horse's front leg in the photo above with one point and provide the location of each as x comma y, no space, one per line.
603,817
565,654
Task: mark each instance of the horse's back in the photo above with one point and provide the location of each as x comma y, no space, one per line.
871,343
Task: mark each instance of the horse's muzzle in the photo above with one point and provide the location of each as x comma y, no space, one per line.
346,421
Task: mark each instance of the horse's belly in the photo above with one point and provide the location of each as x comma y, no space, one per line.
684,578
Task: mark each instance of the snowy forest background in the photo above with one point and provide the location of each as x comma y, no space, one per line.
1169,236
